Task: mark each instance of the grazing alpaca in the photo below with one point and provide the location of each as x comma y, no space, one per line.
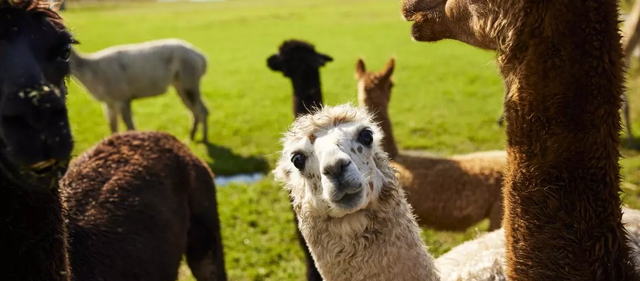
446,193
117,75
562,204
35,141
135,202
299,61
351,209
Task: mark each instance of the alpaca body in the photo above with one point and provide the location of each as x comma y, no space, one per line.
35,141
451,193
120,74
136,202
483,258
350,207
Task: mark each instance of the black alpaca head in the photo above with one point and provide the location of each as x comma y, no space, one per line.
35,139
295,58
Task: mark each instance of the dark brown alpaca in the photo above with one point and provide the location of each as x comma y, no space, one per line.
135,203
299,61
35,141
447,193
564,62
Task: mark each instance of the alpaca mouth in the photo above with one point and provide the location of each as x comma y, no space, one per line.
413,10
348,200
43,167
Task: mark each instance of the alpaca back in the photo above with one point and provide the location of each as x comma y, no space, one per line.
452,193
129,209
140,70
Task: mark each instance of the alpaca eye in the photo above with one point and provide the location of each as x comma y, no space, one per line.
298,160
365,137
65,53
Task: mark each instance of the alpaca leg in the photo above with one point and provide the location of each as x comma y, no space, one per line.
204,249
125,111
205,253
495,216
112,116
203,115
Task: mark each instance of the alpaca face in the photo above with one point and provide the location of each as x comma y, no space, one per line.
463,20
35,139
374,89
296,59
331,170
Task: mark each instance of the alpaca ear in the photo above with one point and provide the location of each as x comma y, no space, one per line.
388,71
323,59
361,69
275,62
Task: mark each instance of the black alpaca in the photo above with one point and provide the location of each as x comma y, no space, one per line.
299,61
35,141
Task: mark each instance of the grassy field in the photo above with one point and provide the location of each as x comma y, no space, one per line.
446,100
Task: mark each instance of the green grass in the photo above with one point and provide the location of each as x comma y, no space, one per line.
446,100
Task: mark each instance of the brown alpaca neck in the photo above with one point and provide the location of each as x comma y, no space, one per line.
358,247
388,141
563,216
381,116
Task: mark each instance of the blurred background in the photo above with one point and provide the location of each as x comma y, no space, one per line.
446,100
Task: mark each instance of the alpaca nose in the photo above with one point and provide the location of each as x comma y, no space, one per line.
335,170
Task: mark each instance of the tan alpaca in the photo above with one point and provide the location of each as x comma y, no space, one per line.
564,62
352,212
446,193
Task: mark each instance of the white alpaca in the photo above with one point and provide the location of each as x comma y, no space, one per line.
119,74
352,213
483,259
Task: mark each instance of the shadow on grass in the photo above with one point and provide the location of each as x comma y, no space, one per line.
630,144
226,162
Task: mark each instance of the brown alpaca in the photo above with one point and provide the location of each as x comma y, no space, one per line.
135,203
564,62
446,193
35,141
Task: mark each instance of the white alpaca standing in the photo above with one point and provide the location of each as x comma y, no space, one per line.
117,75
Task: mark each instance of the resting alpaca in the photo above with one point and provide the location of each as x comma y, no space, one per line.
35,141
119,74
446,193
299,61
483,259
563,219
135,203
351,210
